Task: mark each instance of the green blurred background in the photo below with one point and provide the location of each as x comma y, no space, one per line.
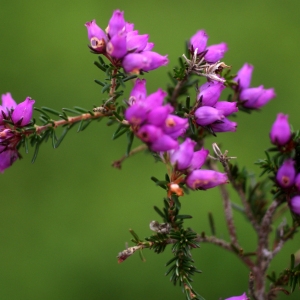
64,219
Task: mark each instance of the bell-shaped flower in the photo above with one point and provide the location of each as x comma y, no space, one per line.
295,205
209,93
153,60
96,36
116,47
256,97
139,91
136,114
224,126
175,126
7,157
8,102
116,23
164,143
280,132
242,297
22,114
198,159
206,115
297,182
136,43
182,157
286,174
158,115
244,76
149,133
198,41
215,52
228,108
205,179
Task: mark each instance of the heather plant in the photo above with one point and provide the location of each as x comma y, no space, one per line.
174,126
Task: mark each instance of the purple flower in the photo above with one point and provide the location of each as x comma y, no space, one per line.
97,37
244,76
280,132
286,174
228,108
22,113
124,46
297,182
116,23
199,158
198,41
215,52
295,205
7,157
256,97
175,126
209,93
224,126
164,143
182,156
206,115
138,92
242,297
205,179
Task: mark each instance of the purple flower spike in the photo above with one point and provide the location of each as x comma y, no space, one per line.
295,205
7,158
116,23
286,174
22,114
183,155
139,91
244,76
280,132
206,115
256,97
198,41
224,126
205,179
210,93
215,52
242,297
97,37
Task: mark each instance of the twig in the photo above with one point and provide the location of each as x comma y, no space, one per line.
118,163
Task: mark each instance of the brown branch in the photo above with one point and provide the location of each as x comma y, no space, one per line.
118,163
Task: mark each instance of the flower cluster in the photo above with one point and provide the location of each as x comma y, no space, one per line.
187,162
152,121
211,112
12,116
286,176
252,98
123,46
211,53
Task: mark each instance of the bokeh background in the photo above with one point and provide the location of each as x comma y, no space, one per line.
64,219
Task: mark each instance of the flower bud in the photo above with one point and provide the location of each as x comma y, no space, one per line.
286,174
205,179
215,52
244,75
22,114
295,205
209,93
280,132
256,97
206,115
198,41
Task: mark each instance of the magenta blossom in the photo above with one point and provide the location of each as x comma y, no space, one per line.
280,132
286,174
295,205
122,45
19,115
242,297
253,98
